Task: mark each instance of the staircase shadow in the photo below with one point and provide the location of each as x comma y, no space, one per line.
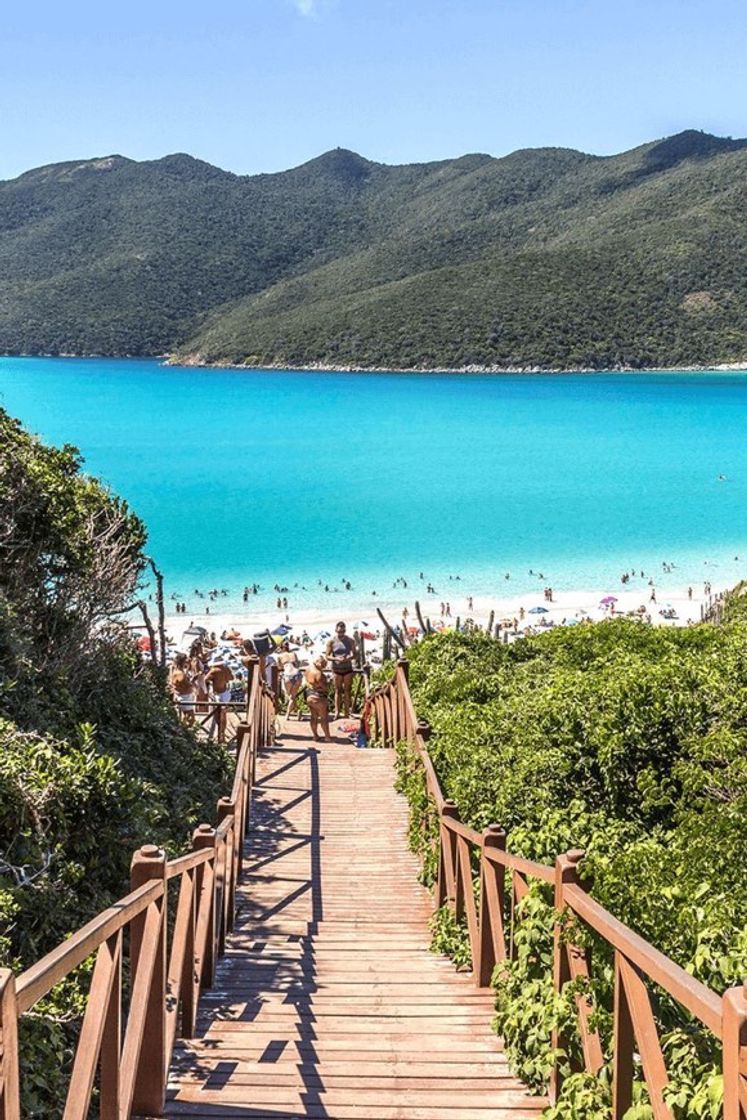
289,782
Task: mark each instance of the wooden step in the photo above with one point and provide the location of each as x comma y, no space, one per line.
328,1004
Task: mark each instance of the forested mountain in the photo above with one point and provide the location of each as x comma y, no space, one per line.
547,257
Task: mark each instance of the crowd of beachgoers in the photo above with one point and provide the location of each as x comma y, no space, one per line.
304,651
447,599
208,674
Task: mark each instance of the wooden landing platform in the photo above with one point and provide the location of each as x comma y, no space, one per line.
328,1003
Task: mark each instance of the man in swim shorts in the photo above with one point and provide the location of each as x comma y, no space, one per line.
183,688
218,679
340,650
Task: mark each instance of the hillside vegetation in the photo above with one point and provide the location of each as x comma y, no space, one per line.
628,742
546,257
93,762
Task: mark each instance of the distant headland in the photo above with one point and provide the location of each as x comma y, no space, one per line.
545,259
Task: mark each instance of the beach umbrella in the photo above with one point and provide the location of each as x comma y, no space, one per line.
538,610
571,622
143,643
282,630
608,599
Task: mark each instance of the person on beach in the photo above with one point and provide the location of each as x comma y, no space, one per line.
182,688
218,679
316,697
341,649
291,677
197,667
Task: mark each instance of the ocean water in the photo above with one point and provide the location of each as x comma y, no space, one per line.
300,477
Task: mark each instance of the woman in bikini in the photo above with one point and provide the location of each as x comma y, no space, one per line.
341,649
292,677
316,697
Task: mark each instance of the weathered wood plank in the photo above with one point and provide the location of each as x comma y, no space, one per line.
328,1003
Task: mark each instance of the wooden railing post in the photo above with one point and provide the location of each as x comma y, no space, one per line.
227,808
386,715
10,1106
446,888
251,663
204,837
404,731
380,718
242,730
149,1095
623,1047
734,1036
423,729
189,985
492,902
566,872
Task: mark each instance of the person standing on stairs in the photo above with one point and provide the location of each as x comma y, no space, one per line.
316,697
341,649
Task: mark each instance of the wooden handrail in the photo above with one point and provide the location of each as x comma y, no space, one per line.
224,828
166,979
453,824
38,980
186,862
467,857
699,1000
525,866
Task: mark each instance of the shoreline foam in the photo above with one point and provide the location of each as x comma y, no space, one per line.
565,605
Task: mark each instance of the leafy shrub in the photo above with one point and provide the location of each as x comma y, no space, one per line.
93,760
630,743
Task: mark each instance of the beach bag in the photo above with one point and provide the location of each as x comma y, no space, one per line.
263,643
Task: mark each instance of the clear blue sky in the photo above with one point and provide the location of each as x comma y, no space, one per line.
261,85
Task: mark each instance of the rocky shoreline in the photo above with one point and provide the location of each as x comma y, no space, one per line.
195,361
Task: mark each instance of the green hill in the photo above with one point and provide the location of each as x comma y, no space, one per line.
546,257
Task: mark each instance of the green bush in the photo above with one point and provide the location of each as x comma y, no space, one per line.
628,742
93,760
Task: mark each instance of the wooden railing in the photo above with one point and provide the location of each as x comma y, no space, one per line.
129,1029
472,881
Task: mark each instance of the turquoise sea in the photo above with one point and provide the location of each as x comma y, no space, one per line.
295,477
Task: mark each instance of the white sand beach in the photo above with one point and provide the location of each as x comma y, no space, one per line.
566,607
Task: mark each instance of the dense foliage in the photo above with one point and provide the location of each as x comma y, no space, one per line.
93,762
544,258
631,743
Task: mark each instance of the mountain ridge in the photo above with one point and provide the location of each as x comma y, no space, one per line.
543,257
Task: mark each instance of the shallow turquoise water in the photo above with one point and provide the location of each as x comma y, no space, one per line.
292,477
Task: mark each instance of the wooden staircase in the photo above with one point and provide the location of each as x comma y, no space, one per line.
328,1002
